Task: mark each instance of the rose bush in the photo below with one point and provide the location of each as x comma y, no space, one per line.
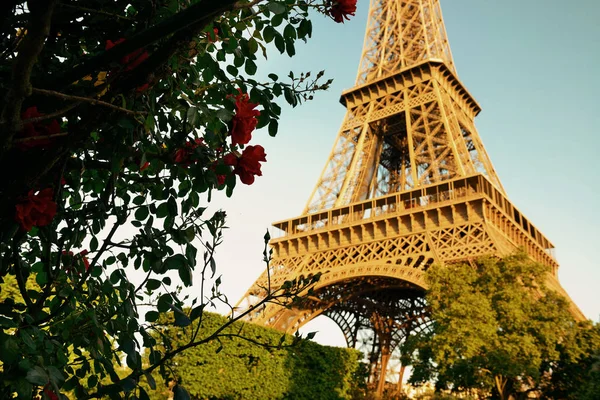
145,108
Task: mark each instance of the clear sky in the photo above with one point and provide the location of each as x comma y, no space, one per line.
531,64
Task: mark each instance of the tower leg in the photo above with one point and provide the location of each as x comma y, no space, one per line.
385,356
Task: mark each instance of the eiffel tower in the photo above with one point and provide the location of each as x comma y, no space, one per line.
407,184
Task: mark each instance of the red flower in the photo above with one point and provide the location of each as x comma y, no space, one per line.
110,44
221,179
214,36
69,259
183,156
146,165
86,262
37,130
248,164
50,393
131,60
37,210
244,121
142,88
341,9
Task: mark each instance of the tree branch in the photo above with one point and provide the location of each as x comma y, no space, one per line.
30,48
51,115
95,102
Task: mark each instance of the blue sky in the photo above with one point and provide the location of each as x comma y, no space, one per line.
532,67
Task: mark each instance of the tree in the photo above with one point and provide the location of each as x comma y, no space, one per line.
497,328
576,373
126,114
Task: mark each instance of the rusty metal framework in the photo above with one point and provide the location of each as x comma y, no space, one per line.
407,184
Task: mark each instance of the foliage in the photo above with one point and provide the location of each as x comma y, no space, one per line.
233,367
497,327
116,126
576,374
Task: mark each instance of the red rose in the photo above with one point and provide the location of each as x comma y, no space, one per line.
37,210
341,9
37,130
131,60
183,156
248,164
69,258
244,120
50,393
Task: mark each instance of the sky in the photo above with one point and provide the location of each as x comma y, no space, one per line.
532,66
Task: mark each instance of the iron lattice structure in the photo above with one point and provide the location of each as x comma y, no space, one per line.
407,184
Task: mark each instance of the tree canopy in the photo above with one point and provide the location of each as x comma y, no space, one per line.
497,328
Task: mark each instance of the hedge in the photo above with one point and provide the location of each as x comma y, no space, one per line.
234,368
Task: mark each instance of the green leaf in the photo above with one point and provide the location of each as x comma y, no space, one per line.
94,244
289,32
23,388
92,381
162,210
27,340
38,376
279,43
139,200
289,96
141,213
269,33
289,47
252,45
185,273
276,7
153,284
175,262
232,70
164,302
179,393
152,316
277,20
41,278
273,127
128,384
192,115
197,312
273,77
143,394
250,67
151,381
207,75
10,350
180,318
172,205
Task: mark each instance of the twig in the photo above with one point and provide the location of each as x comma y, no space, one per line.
52,115
95,102
239,6
94,11
34,138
